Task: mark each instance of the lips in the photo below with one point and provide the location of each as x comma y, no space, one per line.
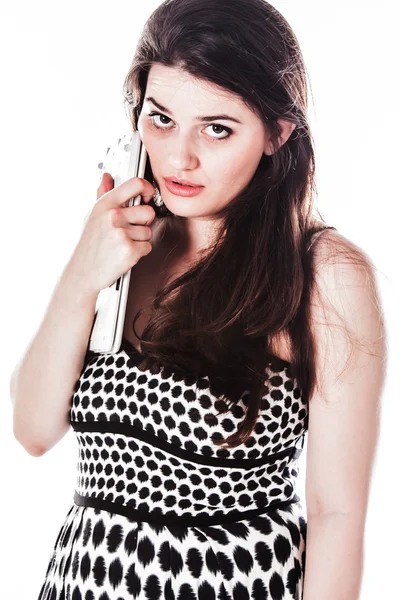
182,190
183,182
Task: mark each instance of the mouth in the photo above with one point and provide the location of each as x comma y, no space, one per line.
182,182
182,189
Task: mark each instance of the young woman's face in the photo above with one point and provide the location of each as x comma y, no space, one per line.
219,154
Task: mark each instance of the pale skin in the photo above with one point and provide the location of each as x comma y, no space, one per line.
344,411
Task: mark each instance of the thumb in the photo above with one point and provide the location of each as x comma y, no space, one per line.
106,184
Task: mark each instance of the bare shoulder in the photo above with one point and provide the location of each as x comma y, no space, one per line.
346,309
331,248
342,269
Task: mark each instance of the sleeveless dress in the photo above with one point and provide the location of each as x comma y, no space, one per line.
159,511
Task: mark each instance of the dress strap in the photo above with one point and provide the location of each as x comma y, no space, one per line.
316,235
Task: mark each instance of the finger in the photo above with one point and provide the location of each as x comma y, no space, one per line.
106,184
131,188
134,215
140,233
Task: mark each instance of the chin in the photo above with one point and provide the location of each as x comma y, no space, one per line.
186,207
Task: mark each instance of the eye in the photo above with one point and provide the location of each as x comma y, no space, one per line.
216,125
154,114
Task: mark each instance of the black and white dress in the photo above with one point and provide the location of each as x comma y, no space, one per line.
159,511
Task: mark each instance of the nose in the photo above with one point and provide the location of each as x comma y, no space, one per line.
182,156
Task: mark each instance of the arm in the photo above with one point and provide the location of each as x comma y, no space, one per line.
344,418
43,381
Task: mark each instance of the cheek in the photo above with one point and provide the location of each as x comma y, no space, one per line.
238,165
144,136
154,143
140,126
235,173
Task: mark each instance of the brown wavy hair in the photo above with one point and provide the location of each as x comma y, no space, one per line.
219,318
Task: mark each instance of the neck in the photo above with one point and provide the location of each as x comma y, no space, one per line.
191,236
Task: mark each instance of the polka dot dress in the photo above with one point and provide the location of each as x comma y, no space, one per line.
159,511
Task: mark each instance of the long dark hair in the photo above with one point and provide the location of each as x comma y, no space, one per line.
220,317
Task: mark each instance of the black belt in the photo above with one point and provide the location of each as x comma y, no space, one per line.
185,520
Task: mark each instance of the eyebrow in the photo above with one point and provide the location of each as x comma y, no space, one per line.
211,118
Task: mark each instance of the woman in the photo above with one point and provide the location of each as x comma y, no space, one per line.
259,325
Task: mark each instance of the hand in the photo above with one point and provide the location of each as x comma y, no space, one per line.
115,236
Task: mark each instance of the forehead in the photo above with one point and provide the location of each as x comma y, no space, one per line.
172,84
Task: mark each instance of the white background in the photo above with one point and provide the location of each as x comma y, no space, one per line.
62,69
